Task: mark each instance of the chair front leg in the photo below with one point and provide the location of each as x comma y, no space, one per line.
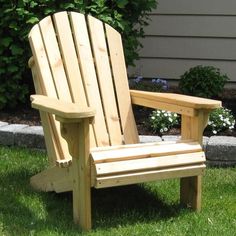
77,137
191,187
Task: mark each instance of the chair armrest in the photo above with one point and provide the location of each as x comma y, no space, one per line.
65,110
182,104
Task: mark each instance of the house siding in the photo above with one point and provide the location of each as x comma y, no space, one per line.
186,33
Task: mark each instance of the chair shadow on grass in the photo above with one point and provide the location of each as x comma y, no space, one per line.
111,207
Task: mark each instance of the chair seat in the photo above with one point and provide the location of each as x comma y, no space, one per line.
121,165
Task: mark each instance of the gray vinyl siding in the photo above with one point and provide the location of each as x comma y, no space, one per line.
186,33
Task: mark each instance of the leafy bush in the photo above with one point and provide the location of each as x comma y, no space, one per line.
17,17
161,121
203,81
155,85
221,119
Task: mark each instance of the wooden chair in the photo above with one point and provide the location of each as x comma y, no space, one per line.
85,106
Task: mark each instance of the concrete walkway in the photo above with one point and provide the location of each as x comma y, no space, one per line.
220,150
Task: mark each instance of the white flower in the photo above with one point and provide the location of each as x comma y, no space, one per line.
153,117
214,132
161,130
175,115
170,119
165,129
165,114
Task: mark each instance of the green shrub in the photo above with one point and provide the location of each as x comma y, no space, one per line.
203,81
221,119
17,17
161,121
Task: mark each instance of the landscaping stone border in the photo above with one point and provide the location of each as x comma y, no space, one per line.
220,150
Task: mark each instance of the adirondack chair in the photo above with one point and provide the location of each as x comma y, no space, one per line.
85,106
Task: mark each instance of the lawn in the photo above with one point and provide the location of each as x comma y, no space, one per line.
147,209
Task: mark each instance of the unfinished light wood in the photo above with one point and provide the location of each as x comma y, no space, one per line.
77,136
133,178
178,99
121,84
83,49
151,163
104,75
53,150
54,59
142,151
70,61
82,93
190,188
61,108
47,87
191,192
53,179
50,128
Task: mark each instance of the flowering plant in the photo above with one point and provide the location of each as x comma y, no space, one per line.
155,85
221,119
161,121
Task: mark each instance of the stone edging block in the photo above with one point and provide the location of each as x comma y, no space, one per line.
7,133
30,137
221,149
148,139
3,123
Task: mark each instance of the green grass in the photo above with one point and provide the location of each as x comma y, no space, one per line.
147,209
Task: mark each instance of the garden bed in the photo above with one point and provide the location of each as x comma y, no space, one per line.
29,116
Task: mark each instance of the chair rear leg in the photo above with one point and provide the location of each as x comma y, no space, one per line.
191,192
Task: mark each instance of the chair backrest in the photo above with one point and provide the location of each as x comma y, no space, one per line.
80,59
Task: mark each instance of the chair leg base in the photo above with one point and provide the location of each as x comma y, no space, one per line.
191,191
53,179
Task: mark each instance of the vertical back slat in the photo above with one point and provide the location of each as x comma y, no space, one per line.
70,60
50,140
41,62
54,59
47,87
121,84
88,72
104,75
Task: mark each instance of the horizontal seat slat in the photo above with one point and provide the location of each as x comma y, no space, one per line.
144,151
130,166
140,177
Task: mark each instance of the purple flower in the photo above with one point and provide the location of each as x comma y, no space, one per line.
138,79
164,82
